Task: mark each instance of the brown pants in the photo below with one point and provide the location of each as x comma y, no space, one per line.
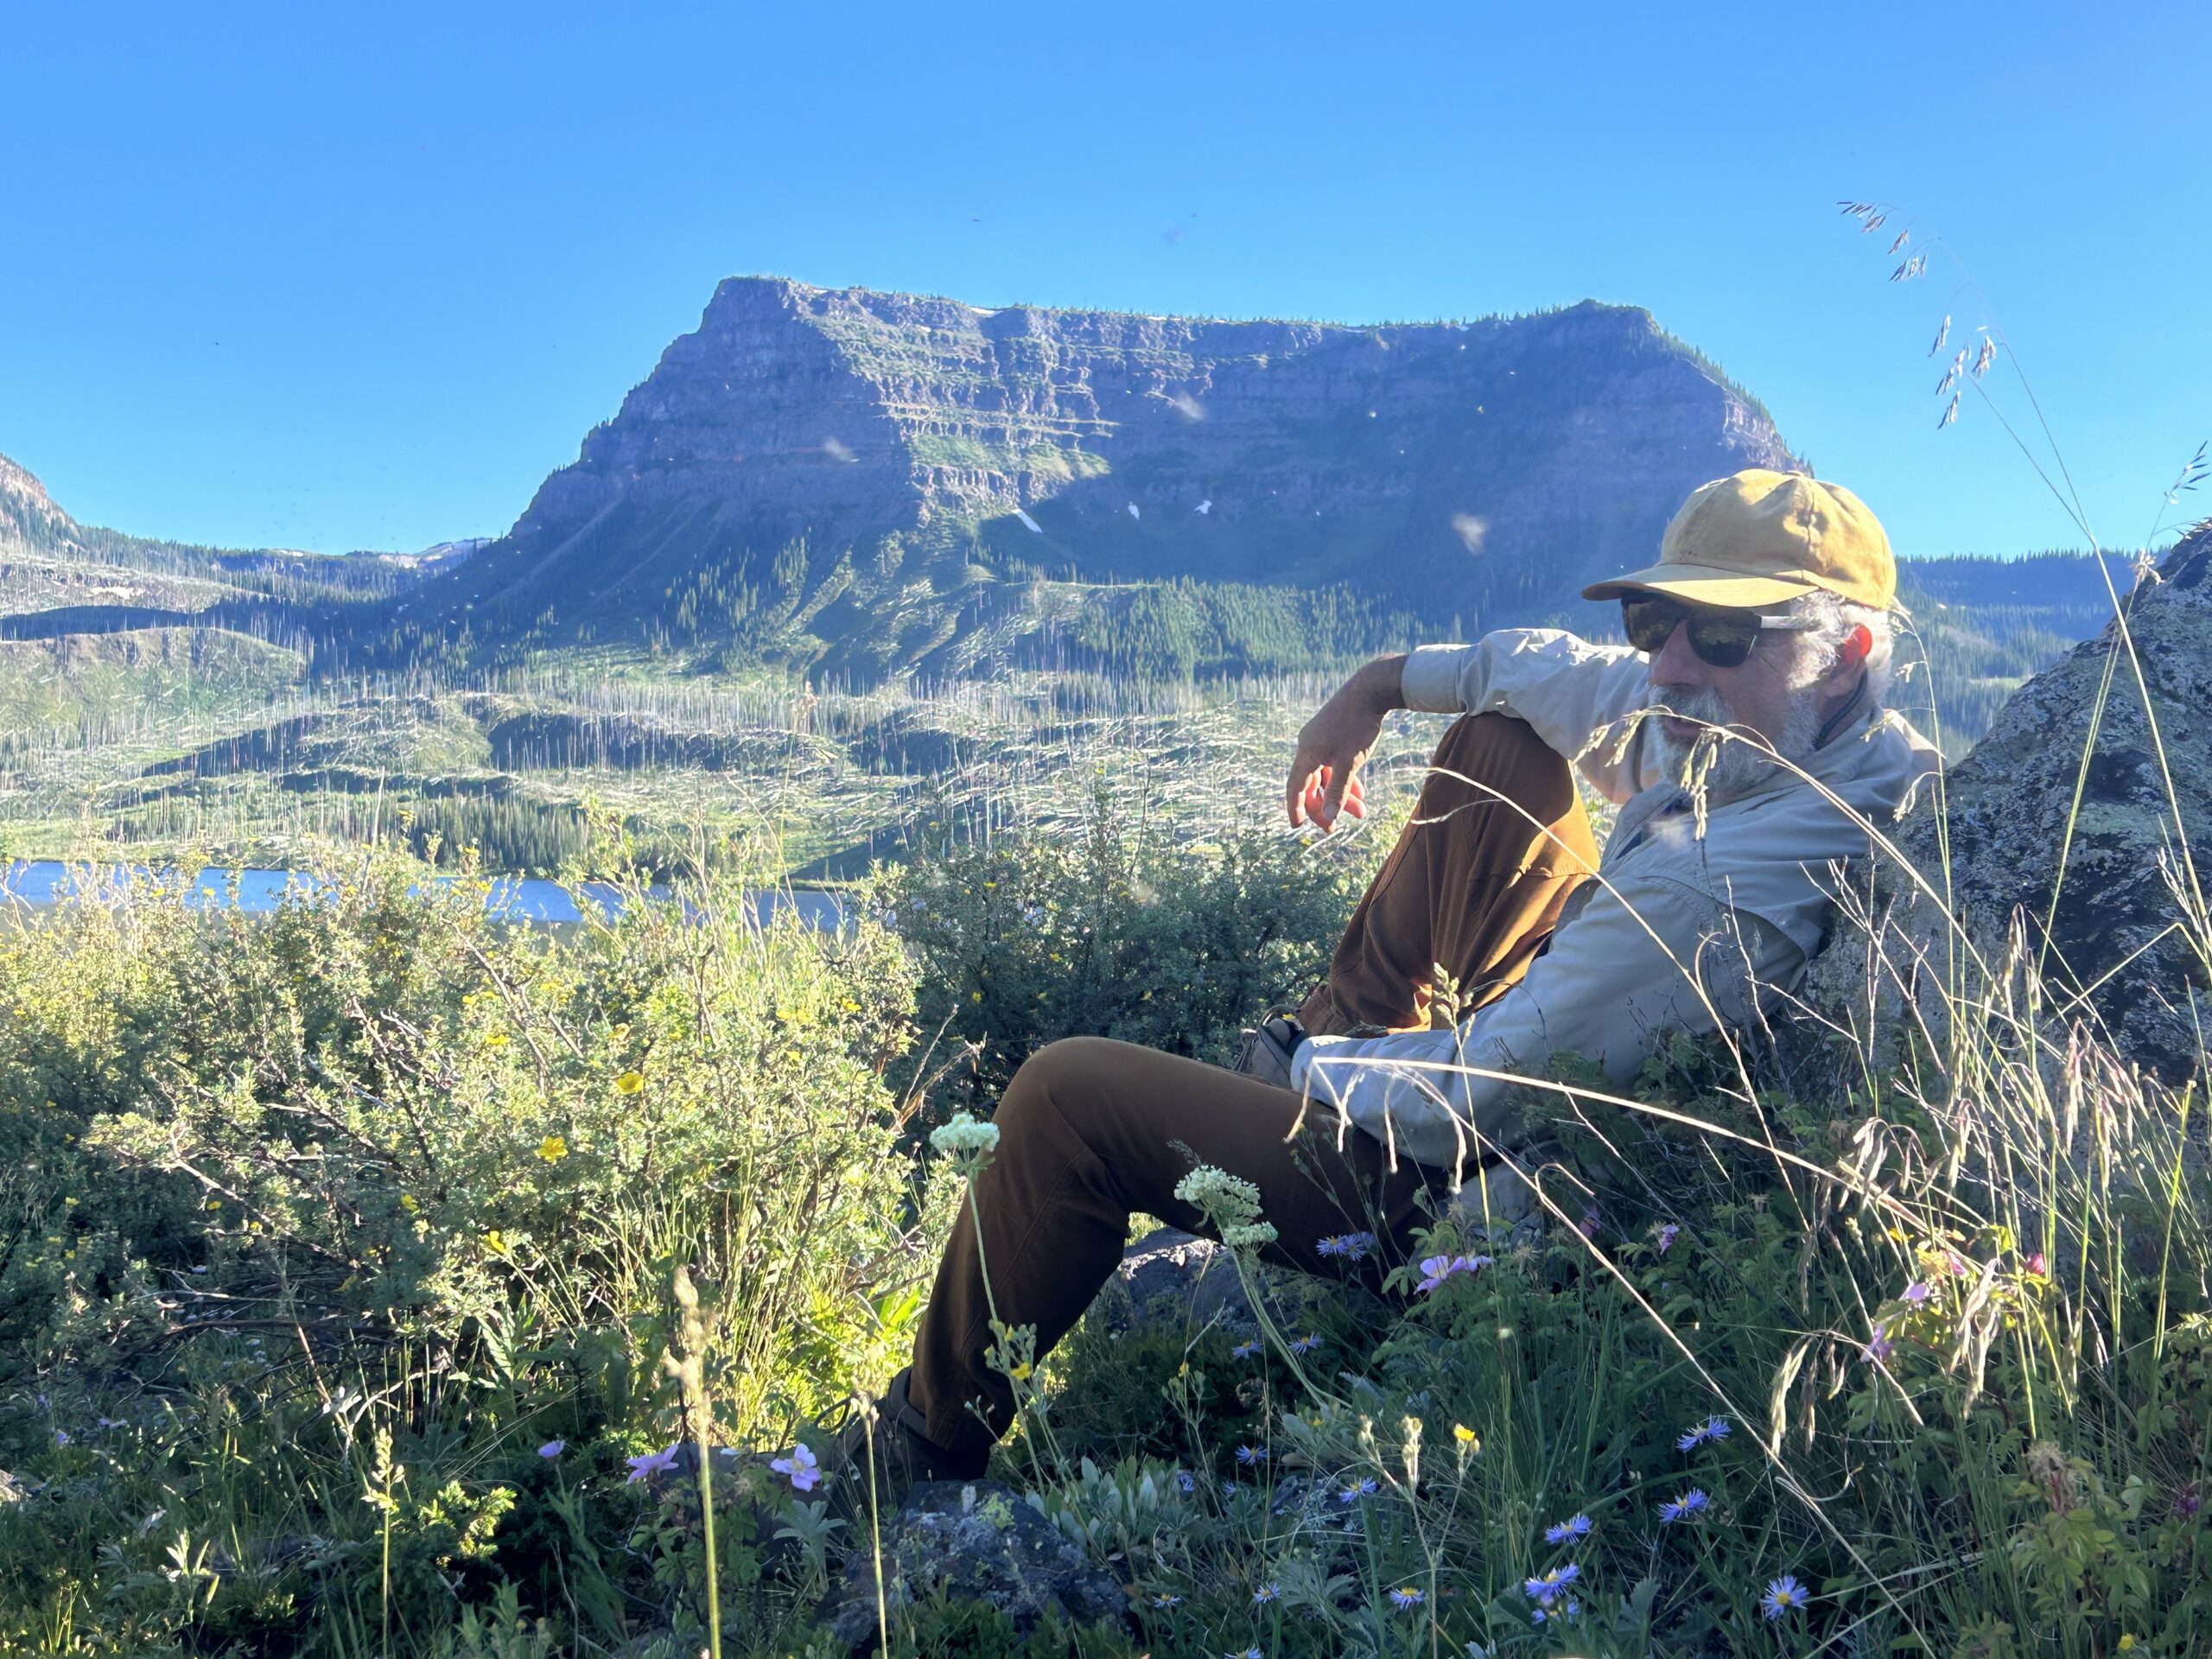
1091,1130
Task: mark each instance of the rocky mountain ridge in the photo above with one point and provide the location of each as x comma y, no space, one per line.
59,577
882,482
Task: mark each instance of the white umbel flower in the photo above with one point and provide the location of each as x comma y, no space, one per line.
1223,1196
964,1140
1231,1203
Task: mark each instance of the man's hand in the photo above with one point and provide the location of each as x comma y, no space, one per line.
1336,742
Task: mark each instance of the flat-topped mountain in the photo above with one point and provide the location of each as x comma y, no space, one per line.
875,482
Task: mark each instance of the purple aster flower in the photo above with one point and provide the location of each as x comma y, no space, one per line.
1668,1234
1551,1586
1229,1489
1165,1599
1353,1246
1406,1596
1265,1593
1784,1595
651,1464
1357,1490
1305,1344
1245,1653
1578,1527
1681,1508
552,1449
1713,1428
1251,1456
1245,1350
1185,1481
799,1468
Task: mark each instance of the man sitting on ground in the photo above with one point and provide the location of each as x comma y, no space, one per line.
1761,640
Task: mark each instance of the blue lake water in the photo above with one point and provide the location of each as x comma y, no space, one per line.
42,883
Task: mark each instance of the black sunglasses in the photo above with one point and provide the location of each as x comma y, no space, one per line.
1720,638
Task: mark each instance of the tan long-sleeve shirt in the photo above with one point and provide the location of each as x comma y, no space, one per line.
1679,926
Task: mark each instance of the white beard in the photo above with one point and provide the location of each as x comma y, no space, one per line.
1741,762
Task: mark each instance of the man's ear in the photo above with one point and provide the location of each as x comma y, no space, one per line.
1852,654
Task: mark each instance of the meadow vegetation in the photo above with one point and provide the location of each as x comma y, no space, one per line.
340,1261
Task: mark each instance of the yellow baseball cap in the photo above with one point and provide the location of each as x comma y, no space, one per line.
1758,537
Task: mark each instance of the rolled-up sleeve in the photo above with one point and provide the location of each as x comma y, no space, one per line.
1567,688
1606,990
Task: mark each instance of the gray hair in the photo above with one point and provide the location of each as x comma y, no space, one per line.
1834,617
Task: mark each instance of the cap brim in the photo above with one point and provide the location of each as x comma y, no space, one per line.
1698,584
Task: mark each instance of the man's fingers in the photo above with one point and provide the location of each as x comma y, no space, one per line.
1319,794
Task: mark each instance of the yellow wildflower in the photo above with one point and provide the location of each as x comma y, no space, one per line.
629,1082
496,1241
1462,1433
553,1148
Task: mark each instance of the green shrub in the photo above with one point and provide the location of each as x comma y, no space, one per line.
1113,928
375,1165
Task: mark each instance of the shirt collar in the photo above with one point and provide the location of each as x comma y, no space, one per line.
1836,721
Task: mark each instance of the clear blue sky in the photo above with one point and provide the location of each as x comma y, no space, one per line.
337,277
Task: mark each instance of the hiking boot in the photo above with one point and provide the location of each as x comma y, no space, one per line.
1268,1050
889,1435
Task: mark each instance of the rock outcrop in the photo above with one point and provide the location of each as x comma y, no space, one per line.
972,1542
1172,1279
885,476
2103,885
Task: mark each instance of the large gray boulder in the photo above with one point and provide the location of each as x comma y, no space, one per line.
972,1542
1996,838
1171,1278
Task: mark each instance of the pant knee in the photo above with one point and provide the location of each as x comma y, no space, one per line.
1051,1081
1502,755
